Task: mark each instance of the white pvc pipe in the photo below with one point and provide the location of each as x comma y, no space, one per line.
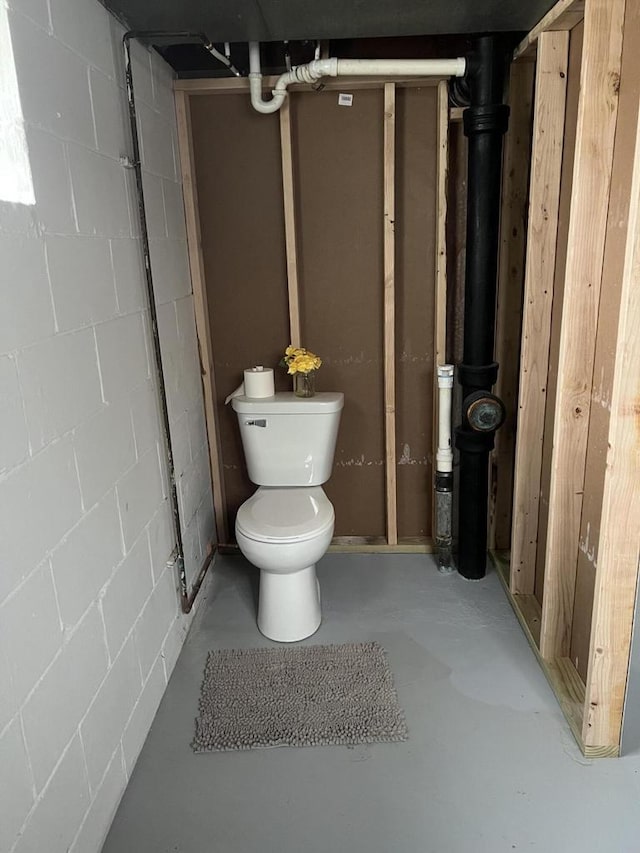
333,67
444,455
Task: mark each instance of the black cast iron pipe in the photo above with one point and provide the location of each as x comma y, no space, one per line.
485,122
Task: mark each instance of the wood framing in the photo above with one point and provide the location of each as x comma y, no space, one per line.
513,218
440,303
196,264
619,546
290,222
564,16
233,85
544,199
597,115
389,311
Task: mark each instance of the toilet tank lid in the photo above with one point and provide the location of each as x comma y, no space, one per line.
288,403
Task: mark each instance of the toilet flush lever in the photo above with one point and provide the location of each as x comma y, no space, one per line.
261,422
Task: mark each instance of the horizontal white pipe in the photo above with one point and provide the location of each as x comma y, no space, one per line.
444,454
333,67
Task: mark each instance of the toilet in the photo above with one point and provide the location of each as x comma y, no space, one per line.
286,526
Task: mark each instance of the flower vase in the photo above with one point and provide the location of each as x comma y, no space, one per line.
304,384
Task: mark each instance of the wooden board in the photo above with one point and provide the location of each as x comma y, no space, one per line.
286,146
603,372
389,354
416,141
618,546
544,200
339,193
201,308
243,245
564,16
513,225
566,184
597,113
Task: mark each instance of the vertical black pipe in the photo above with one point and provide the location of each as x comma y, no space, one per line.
485,122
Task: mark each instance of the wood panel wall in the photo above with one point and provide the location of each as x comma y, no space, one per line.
330,235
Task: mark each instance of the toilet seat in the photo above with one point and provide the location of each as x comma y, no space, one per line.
285,515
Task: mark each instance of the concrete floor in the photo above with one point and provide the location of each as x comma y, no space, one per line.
490,764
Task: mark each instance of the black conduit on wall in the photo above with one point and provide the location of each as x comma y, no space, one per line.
485,122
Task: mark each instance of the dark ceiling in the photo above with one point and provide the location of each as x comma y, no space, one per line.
241,21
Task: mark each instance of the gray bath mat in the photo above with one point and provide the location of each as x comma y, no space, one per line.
297,696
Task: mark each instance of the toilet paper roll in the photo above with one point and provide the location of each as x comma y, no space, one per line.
258,382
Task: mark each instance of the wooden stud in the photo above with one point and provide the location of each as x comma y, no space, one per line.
564,16
513,225
595,132
618,550
290,222
544,200
201,308
234,85
389,311
440,300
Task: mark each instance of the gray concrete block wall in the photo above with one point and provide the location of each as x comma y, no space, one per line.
90,623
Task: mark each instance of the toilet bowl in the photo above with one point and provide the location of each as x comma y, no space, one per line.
284,532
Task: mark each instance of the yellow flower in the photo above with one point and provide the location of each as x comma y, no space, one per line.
300,360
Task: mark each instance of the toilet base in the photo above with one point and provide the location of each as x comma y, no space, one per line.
289,605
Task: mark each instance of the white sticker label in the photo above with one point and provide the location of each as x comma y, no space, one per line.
345,100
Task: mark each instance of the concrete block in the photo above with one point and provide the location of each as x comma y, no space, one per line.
51,182
36,10
132,203
14,445
157,617
139,496
104,449
141,70
157,148
173,644
84,27
102,728
110,115
8,701
145,413
171,273
128,272
29,622
163,76
123,355
162,540
198,437
39,503
86,559
81,279
16,788
154,207
105,802
181,446
60,385
54,710
54,91
27,313
206,522
138,726
193,557
174,210
126,594
57,817
100,193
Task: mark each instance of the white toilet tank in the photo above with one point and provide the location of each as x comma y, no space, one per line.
289,440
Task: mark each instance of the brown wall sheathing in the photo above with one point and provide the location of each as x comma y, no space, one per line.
587,552
573,91
338,184
239,178
416,141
